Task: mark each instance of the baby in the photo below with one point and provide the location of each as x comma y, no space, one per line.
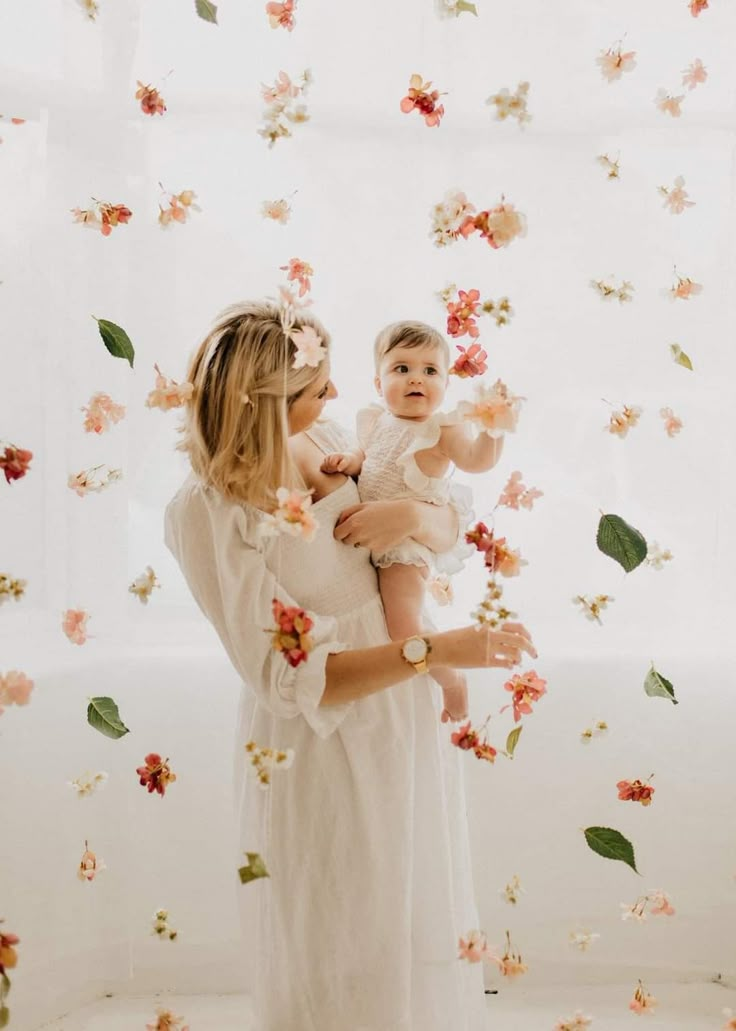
406,449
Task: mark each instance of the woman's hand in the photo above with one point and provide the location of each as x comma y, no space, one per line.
473,647
378,525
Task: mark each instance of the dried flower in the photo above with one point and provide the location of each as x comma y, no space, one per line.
101,413
694,74
656,557
440,588
611,167
88,783
83,483
676,197
668,104
525,688
614,62
685,288
291,633
621,422
179,207
263,760
10,587
420,98
672,424
166,1021
592,607
152,103
281,15
280,105
143,585
15,689
277,210
89,865
156,775
293,516
475,948
642,1001
161,926
697,6
495,411
168,393
635,791
516,495
15,462
511,104
103,216
74,625
582,939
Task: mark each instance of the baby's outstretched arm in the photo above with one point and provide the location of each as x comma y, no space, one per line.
348,462
472,456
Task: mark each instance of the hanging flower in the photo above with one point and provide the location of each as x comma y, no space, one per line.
461,314
15,689
676,197
101,413
499,226
642,1001
697,6
421,99
470,363
8,955
156,775
263,760
510,963
694,74
103,216
516,495
525,689
672,424
309,347
83,483
611,167
621,422
168,393
10,587
280,105
494,411
281,15
512,890
577,1023
465,737
89,865
88,783
635,791
587,735
658,902
299,271
152,103
166,1021
291,633
511,104
144,584
179,207
74,625
656,557
592,607
448,217
614,62
475,948
685,288
161,926
608,290
15,462
582,939
501,310
277,210
668,104
500,559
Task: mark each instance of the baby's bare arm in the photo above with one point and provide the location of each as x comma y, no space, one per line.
471,456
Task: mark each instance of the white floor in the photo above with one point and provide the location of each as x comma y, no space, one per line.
688,1007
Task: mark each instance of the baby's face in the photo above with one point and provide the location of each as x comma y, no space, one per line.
412,381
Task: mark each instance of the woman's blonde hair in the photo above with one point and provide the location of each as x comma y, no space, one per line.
408,333
236,424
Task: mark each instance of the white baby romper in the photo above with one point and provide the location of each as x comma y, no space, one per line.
390,470
365,836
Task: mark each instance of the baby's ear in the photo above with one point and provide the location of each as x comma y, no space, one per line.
377,384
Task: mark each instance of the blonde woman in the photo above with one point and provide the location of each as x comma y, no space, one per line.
365,835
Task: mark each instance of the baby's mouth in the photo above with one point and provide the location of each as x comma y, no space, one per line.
415,393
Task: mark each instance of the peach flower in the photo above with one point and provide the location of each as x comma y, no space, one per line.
419,98
309,347
696,6
685,289
642,1002
494,410
299,271
440,589
168,393
74,625
614,62
672,424
89,865
525,688
461,314
281,14
471,362
668,104
277,210
475,948
101,413
515,494
15,689
694,73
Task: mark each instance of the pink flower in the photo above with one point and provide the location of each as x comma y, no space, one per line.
283,87
696,6
495,410
685,289
425,102
89,865
281,14
14,462
694,74
660,905
613,63
168,393
309,347
500,559
641,1002
668,104
526,689
471,362
299,271
672,424
441,589
101,413
277,210
515,494
465,737
676,197
152,103
460,314
156,775
15,688
635,791
74,625
499,226
475,948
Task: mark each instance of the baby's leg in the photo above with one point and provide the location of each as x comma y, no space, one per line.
402,592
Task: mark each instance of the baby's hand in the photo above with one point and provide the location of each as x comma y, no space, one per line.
339,462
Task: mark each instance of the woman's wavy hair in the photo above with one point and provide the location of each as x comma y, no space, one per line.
235,425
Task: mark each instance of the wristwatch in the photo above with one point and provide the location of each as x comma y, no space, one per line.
415,650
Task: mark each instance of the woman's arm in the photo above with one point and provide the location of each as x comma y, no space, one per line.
381,525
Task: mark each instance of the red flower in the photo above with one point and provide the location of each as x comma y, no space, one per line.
113,215
156,774
425,102
480,536
635,791
465,738
14,462
471,362
485,751
152,103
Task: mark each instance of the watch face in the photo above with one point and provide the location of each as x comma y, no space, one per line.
415,651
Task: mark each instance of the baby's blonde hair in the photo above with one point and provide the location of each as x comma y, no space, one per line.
236,425
408,333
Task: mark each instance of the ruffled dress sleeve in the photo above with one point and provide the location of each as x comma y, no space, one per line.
216,544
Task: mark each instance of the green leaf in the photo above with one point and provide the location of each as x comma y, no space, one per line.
512,739
4,1015
103,715
255,868
116,340
206,10
5,983
621,542
463,5
611,844
657,686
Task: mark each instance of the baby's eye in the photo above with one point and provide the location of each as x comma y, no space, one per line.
431,368
402,368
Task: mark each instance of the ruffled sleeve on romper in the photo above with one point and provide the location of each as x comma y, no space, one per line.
221,556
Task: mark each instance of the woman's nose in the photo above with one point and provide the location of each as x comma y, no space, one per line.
332,392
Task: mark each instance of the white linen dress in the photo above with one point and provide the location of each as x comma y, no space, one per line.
365,836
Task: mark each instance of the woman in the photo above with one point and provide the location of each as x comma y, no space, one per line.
365,836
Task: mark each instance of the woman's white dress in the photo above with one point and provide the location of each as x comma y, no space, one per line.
365,836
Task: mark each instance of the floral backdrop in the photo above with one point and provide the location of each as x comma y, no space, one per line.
550,185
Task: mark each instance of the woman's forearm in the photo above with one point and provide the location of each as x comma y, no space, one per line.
436,525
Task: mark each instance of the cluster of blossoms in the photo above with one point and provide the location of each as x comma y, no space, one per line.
101,413
280,104
455,216
599,728
74,625
512,891
475,948
168,393
11,587
658,902
642,1001
635,791
152,103
277,210
497,557
656,557
516,494
293,516
621,422
684,288
161,926
263,760
15,689
156,775
511,104
614,62
179,207
88,783
611,167
298,271
468,739
592,607
281,15
89,865
291,633
310,349
582,939
83,483
471,362
166,1021
15,462
420,97
675,197
608,290
103,216
467,307
525,688
578,1022
144,584
494,410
